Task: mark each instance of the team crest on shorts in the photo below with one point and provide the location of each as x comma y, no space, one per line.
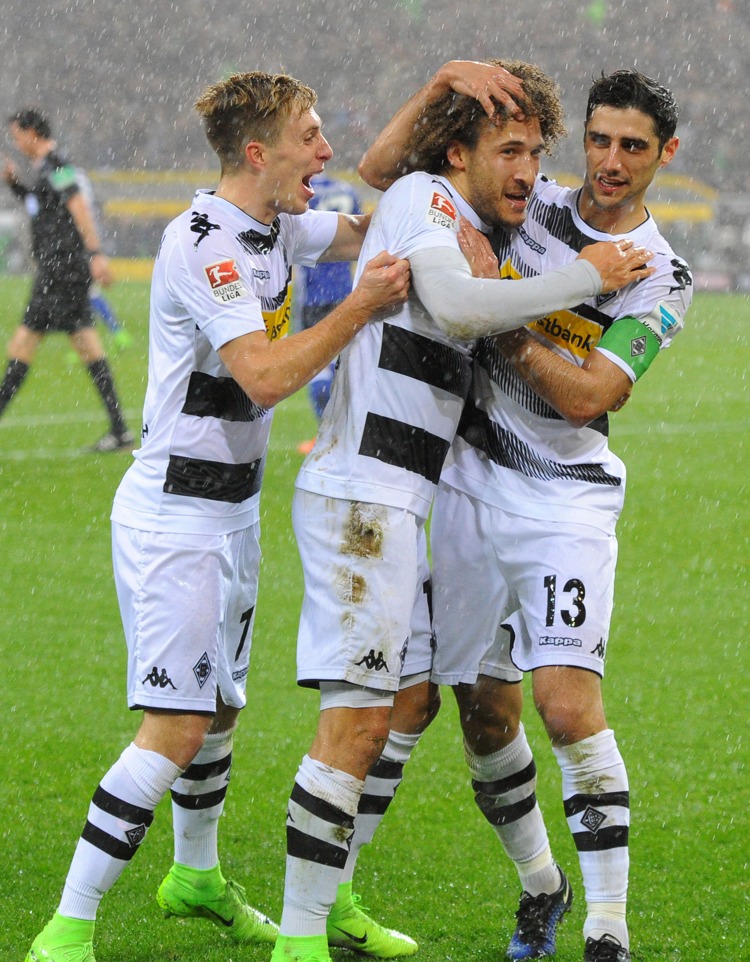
225,281
202,669
442,212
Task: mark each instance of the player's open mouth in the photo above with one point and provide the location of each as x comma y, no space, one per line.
517,201
608,185
307,187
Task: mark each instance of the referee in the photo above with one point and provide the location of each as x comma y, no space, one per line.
65,247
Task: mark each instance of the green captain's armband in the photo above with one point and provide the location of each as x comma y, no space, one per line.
633,342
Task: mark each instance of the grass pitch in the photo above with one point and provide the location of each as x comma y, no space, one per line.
677,687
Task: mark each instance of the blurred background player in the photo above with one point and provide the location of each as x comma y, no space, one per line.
68,256
317,290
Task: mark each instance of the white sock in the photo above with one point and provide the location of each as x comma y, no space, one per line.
504,784
319,825
597,807
198,801
119,816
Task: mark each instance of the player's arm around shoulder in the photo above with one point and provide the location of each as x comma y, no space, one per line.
348,239
269,371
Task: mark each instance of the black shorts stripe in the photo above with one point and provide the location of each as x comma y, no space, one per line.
579,803
118,808
503,785
108,844
213,480
196,803
603,840
302,846
219,397
404,446
423,359
505,814
201,773
320,808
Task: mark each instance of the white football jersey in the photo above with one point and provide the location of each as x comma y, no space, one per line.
219,274
401,382
512,449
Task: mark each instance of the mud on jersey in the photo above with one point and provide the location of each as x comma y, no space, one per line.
401,383
219,275
513,449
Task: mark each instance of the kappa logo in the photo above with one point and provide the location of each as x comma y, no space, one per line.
225,281
600,649
202,226
442,211
373,662
158,679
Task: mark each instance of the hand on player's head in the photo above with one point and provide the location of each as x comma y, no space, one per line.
619,263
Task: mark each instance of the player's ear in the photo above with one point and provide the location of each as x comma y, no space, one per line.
255,154
669,150
456,154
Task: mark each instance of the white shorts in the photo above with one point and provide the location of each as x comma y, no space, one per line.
511,594
365,568
187,603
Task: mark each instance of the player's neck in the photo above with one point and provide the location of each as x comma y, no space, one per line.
613,220
235,191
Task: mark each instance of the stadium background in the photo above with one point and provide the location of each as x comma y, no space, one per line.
119,81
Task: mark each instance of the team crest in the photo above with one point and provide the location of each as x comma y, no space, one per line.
442,212
225,281
638,347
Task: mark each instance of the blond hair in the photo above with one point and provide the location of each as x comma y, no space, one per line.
250,106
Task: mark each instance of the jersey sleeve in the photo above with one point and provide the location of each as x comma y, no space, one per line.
212,286
417,213
309,235
63,178
653,315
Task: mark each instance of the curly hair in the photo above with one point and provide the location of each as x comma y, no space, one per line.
250,106
456,117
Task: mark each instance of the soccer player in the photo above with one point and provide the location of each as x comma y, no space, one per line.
523,529
68,256
185,517
317,290
364,492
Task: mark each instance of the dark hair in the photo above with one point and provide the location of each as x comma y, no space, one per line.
625,89
457,117
31,119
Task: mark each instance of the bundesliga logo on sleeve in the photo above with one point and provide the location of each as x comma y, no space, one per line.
225,281
442,213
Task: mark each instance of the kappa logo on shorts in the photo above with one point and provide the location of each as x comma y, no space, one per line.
560,641
373,662
202,669
158,679
442,212
225,281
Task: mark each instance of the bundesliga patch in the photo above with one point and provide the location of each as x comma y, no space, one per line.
638,346
442,212
226,283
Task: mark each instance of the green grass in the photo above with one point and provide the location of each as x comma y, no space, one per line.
677,686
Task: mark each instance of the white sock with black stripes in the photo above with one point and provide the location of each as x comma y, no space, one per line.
198,801
319,825
599,821
118,818
380,787
504,784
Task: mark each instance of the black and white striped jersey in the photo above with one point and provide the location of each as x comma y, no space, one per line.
512,449
401,382
219,274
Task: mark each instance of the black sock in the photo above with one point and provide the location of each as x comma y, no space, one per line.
15,374
105,385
